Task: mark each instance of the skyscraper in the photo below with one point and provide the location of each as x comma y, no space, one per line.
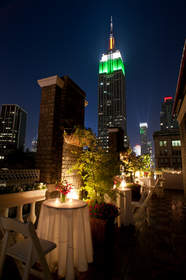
167,121
144,138
12,129
34,145
111,94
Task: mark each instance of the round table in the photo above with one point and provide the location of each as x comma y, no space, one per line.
68,225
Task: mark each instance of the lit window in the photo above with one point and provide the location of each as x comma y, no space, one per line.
176,143
163,143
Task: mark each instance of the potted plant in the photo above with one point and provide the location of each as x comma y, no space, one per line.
102,217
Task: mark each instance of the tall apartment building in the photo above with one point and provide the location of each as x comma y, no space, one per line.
167,121
111,94
12,129
144,138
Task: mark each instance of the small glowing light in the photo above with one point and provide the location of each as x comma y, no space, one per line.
73,194
123,184
137,174
114,186
167,98
57,202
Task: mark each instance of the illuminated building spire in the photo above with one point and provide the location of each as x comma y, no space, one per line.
111,39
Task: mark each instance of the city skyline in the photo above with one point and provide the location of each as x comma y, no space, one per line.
41,39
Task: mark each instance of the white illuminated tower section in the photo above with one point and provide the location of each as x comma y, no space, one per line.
111,93
143,138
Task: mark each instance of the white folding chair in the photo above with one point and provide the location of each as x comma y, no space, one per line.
145,196
28,251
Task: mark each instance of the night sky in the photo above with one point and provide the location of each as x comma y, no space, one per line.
44,38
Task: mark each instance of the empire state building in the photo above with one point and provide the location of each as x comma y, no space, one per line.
111,94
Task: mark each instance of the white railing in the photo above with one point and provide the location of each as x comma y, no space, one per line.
18,200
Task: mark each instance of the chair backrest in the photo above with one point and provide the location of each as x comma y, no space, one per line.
26,229
16,226
33,248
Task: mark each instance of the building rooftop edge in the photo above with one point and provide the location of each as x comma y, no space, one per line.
51,80
11,104
172,131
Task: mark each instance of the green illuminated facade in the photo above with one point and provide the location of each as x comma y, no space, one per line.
111,65
142,131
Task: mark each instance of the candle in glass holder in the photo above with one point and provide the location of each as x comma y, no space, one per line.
123,185
57,202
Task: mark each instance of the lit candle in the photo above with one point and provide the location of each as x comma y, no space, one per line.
73,194
123,184
57,202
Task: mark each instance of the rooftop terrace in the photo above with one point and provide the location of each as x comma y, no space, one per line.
152,249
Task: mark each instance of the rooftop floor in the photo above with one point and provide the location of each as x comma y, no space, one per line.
155,248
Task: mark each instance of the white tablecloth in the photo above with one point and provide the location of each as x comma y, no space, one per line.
65,223
124,203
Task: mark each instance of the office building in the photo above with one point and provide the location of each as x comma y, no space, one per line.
115,140
34,145
167,120
111,94
144,138
12,129
167,146
167,142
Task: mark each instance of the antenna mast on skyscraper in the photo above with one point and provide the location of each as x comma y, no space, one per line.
111,40
111,26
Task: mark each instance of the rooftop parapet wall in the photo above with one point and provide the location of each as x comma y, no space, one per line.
173,180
